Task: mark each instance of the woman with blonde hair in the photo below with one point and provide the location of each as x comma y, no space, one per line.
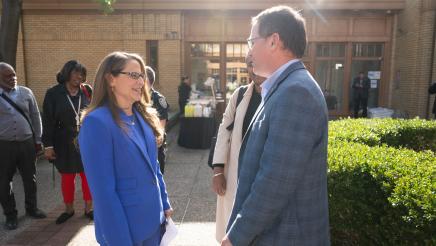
118,143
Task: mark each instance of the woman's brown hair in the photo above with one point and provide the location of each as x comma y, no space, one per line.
113,64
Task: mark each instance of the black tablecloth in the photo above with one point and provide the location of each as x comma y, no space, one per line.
196,132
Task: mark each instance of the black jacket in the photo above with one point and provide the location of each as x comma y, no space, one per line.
160,104
359,91
59,126
184,94
432,90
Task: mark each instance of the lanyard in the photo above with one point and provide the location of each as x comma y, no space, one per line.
77,112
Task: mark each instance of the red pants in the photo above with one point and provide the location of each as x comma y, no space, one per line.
68,185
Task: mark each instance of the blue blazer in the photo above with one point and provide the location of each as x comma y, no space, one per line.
124,178
282,178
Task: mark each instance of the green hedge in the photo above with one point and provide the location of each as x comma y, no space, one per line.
380,194
414,134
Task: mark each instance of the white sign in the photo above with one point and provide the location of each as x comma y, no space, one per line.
373,83
374,74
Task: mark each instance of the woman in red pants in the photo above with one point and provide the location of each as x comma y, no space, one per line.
62,107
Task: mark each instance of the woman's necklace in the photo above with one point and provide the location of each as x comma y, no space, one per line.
131,120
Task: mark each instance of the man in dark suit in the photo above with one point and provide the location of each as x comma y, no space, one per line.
361,86
281,197
184,93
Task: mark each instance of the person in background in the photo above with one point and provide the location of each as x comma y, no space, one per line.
63,104
239,113
118,142
20,139
161,105
360,87
184,93
432,90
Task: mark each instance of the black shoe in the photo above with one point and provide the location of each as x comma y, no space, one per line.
64,217
36,213
89,215
11,223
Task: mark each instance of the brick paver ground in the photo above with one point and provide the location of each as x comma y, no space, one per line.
188,183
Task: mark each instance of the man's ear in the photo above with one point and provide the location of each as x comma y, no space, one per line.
275,41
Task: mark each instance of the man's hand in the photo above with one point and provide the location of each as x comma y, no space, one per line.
219,181
50,154
38,148
226,241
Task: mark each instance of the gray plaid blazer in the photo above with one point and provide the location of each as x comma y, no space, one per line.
282,178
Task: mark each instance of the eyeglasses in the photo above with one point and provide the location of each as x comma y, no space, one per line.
134,75
250,42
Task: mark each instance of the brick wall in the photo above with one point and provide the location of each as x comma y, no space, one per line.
49,40
414,37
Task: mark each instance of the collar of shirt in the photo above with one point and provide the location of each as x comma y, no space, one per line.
13,89
269,82
11,94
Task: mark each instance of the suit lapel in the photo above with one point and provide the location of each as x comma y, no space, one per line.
292,68
141,147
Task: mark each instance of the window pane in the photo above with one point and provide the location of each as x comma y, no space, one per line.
236,75
216,50
236,69
330,77
229,49
204,65
367,50
366,66
330,50
244,49
237,50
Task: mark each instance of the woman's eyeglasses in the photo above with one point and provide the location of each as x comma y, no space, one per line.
134,75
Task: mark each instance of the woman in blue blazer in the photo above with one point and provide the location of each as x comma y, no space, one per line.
118,143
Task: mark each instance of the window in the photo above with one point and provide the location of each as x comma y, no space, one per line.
236,69
330,50
236,50
330,63
367,58
205,50
367,50
152,57
205,62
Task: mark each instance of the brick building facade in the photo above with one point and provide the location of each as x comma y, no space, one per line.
203,38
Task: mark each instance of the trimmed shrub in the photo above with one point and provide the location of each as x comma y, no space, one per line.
413,134
378,194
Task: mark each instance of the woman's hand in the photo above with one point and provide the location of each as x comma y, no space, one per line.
219,181
169,212
50,154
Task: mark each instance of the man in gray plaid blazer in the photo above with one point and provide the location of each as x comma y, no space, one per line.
282,178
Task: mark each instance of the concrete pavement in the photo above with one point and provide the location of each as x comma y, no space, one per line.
187,177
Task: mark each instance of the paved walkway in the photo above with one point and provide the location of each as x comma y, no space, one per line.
188,182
